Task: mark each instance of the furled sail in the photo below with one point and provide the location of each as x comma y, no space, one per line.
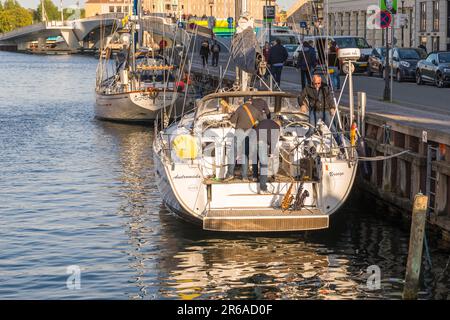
244,47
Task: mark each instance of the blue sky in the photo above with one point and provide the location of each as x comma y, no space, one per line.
34,3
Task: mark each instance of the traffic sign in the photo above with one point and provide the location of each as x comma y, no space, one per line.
230,21
269,12
385,19
303,24
390,6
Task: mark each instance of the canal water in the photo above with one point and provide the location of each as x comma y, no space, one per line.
81,218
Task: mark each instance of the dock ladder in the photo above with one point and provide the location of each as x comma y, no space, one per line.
431,180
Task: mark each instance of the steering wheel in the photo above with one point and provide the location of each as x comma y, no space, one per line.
300,123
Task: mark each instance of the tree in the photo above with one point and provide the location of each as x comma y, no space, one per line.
13,16
11,4
50,9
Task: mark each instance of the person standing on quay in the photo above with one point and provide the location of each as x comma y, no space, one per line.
204,52
215,49
306,62
277,57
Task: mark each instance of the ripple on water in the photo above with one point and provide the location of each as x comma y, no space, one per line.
76,191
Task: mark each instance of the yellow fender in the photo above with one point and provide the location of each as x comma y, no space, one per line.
185,147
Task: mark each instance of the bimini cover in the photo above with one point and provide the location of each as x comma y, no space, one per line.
185,147
244,47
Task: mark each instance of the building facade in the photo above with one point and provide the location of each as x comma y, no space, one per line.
98,7
221,9
310,12
428,22
433,24
360,18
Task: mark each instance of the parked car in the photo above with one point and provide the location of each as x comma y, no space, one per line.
435,69
342,42
376,61
404,62
291,49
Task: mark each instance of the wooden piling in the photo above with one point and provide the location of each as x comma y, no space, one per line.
415,247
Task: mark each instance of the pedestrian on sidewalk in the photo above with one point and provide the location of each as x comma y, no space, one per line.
277,57
333,66
317,100
215,49
307,61
204,52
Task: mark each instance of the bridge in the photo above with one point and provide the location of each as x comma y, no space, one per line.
78,34
86,33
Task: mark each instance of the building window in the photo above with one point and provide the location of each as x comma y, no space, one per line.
168,7
119,9
111,9
125,9
423,41
435,43
448,23
349,23
423,16
364,14
435,15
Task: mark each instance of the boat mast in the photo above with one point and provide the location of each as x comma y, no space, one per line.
242,77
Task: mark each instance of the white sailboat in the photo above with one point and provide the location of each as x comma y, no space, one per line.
138,85
191,158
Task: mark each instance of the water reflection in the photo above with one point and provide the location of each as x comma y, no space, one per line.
175,260
76,191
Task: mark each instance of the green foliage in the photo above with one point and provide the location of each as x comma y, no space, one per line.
13,16
11,4
51,10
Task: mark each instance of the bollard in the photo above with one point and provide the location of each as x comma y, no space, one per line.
415,247
362,102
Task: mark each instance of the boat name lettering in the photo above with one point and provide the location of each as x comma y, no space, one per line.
336,174
186,177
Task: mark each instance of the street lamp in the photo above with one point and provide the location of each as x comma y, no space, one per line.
403,27
211,3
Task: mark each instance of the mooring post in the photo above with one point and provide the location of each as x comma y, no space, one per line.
415,247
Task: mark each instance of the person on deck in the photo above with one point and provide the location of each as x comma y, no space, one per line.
268,134
245,119
317,100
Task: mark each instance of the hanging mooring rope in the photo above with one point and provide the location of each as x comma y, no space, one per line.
381,158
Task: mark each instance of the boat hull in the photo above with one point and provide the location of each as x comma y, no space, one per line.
130,107
239,207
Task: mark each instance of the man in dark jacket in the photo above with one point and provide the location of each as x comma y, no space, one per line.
268,134
245,118
306,63
320,105
204,52
277,57
215,49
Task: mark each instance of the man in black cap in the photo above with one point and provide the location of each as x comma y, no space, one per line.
268,134
261,104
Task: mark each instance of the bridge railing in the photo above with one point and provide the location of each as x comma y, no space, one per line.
27,29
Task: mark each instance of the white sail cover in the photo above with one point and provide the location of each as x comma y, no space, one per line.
245,47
